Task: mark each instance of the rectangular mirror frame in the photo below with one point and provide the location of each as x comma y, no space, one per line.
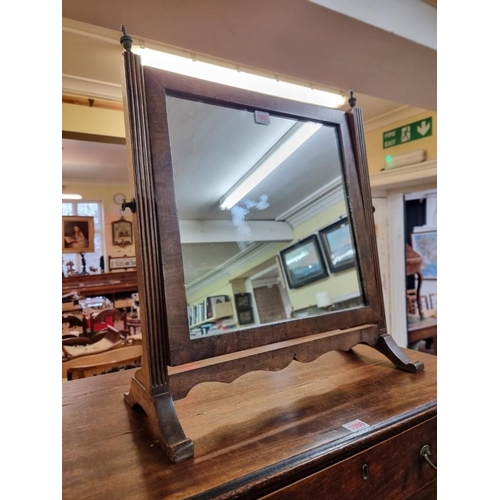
158,85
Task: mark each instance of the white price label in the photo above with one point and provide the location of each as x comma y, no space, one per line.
261,117
355,425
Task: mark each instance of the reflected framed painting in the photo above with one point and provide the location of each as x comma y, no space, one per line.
337,244
303,262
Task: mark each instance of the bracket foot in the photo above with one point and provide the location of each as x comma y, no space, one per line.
391,350
161,411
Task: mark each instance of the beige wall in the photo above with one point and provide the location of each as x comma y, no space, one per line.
374,142
87,120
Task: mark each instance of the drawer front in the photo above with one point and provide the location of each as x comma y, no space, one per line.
390,470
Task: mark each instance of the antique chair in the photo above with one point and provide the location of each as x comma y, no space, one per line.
100,319
74,324
106,363
87,360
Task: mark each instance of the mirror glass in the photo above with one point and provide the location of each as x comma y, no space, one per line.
281,247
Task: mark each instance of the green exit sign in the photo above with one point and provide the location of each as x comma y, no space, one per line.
408,133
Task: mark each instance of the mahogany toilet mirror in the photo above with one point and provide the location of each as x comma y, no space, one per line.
307,227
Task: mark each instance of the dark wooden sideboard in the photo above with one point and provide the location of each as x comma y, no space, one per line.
112,285
266,435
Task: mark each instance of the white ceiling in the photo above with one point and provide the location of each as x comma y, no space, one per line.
91,59
294,39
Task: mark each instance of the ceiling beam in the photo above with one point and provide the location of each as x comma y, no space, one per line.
219,231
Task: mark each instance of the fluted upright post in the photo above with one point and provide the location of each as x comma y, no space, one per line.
149,387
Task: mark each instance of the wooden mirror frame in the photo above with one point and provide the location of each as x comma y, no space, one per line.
173,362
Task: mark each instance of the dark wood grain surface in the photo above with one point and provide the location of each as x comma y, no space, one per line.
260,433
91,285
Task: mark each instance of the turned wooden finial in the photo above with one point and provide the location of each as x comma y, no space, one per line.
125,39
352,99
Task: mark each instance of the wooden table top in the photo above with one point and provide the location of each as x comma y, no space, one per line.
262,426
422,323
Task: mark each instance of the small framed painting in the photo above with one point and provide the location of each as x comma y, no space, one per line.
77,234
124,262
303,262
425,244
122,232
337,244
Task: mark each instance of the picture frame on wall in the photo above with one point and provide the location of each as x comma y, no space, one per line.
242,301
122,232
303,262
425,244
77,234
121,263
336,241
245,317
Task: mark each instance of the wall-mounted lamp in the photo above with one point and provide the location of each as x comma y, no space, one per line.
237,78
404,159
66,196
289,143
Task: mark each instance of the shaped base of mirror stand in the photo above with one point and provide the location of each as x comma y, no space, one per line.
163,416
388,347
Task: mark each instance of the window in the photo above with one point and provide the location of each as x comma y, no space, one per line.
86,208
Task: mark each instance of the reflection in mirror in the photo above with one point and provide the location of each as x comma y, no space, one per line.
263,217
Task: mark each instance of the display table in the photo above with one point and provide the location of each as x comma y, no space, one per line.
424,329
267,434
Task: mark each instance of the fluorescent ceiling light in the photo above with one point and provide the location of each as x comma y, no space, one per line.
71,196
235,78
299,134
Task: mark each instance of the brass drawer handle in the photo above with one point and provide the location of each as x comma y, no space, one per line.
425,453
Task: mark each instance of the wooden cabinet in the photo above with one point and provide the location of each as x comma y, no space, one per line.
273,435
114,286
390,470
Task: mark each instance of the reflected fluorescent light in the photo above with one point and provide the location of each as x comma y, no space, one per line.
235,78
299,134
71,196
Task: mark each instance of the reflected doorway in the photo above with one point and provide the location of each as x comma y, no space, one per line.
270,296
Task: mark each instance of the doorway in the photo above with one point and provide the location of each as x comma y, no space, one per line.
421,269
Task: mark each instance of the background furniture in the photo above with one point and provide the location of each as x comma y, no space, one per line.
115,286
265,435
110,355
108,363
74,323
425,329
101,319
413,267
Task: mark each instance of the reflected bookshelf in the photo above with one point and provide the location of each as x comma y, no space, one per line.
211,317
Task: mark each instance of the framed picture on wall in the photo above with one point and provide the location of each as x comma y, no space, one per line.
124,262
425,244
303,262
77,234
122,232
246,317
337,244
242,301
